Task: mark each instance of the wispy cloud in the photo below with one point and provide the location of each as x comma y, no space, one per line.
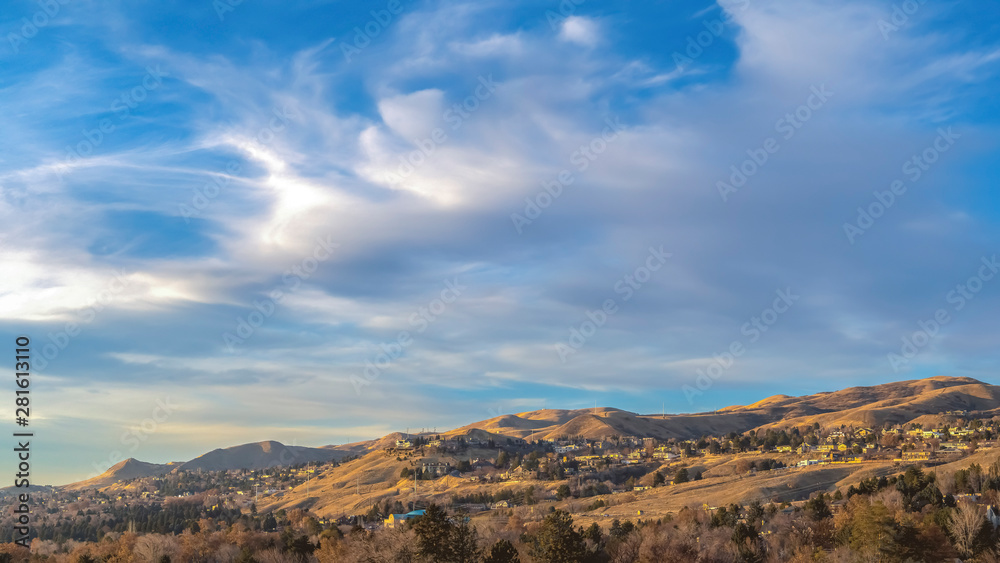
259,140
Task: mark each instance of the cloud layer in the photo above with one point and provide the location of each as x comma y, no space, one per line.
320,223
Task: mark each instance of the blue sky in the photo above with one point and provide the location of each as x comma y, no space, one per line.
489,206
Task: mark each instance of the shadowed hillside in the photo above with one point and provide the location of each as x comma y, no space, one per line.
260,455
131,468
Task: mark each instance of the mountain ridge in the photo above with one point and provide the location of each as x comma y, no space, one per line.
926,399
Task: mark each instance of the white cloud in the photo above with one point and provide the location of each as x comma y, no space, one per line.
325,174
580,30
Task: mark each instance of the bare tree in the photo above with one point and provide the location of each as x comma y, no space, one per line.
933,444
274,555
890,440
966,522
627,550
151,548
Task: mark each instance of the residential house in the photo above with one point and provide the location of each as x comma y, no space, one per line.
436,468
395,519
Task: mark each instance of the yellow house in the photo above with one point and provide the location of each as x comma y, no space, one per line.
394,519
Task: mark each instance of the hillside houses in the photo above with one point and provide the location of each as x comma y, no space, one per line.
553,459
665,455
435,468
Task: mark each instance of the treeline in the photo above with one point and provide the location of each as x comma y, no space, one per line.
897,519
156,518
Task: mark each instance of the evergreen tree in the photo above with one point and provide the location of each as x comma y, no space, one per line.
871,529
593,533
463,544
433,531
557,541
817,508
620,530
502,552
562,492
748,543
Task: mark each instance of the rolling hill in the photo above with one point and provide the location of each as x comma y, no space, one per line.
259,455
924,400
131,468
898,402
